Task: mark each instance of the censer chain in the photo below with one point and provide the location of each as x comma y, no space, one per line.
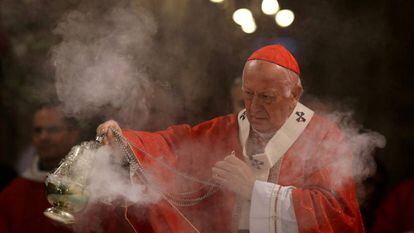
136,166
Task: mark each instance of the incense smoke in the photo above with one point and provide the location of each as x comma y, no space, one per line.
358,141
100,64
111,182
109,188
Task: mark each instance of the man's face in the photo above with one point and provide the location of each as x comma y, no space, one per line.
267,94
51,136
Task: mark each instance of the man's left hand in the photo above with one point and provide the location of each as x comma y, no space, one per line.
235,175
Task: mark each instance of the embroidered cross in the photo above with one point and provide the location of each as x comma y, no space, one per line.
300,117
256,163
243,115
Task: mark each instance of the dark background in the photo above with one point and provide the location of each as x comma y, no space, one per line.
354,55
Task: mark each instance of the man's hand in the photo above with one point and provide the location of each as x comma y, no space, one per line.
235,175
103,130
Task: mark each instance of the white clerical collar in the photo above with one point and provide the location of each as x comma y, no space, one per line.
264,136
34,173
283,138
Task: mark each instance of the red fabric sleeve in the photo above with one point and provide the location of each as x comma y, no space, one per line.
327,201
191,151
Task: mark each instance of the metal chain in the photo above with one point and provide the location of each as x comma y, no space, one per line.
175,198
168,167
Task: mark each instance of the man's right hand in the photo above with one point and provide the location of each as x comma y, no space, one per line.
104,130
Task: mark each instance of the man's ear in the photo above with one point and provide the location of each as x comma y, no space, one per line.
297,92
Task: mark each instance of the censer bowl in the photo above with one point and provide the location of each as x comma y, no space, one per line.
66,198
66,187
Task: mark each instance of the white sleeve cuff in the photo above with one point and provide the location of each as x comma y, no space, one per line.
272,208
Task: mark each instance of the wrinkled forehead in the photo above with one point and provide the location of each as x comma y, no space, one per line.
265,74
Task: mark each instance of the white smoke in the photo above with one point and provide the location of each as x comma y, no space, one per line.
362,143
100,64
109,188
358,141
108,181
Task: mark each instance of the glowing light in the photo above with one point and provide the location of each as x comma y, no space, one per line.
243,16
284,18
249,28
217,1
270,7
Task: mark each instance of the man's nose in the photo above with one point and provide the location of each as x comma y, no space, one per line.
43,134
256,103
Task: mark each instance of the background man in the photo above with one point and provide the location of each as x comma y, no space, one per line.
22,203
281,168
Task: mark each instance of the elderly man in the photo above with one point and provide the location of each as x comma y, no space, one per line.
274,167
22,203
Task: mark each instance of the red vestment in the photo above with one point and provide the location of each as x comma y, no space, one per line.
21,210
323,200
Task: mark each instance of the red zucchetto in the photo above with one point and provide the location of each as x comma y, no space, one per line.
276,54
